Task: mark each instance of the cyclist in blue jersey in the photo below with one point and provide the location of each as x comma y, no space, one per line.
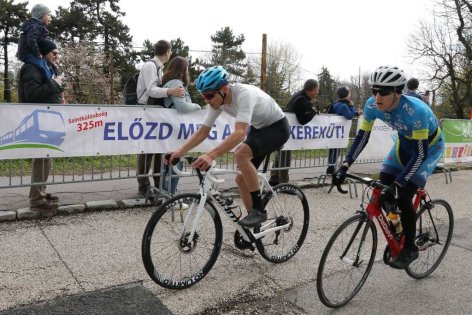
417,149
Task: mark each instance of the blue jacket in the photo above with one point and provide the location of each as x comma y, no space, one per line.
414,94
31,31
343,108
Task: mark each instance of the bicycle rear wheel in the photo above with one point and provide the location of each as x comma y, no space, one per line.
346,261
288,204
169,257
434,227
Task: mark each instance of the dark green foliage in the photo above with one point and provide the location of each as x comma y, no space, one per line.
327,93
11,17
227,52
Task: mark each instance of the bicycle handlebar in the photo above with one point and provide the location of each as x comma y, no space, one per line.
210,175
364,180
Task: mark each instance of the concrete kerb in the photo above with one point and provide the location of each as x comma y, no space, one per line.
111,205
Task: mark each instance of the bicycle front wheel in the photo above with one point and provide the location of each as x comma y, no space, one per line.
346,261
288,206
434,227
170,257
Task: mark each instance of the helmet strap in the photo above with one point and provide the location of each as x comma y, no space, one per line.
223,96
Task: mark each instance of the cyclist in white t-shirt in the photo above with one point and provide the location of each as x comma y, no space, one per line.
253,108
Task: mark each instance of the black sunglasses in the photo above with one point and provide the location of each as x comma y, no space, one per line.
208,96
382,92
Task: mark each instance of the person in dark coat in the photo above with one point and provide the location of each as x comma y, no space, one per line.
301,105
35,86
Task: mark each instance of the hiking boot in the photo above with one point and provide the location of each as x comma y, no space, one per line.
46,208
147,192
406,257
254,218
53,199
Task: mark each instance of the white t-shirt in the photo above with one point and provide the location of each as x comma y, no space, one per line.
250,105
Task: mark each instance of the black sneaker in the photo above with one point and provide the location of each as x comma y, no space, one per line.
254,218
406,257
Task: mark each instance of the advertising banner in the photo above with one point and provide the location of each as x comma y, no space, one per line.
31,131
458,137
380,143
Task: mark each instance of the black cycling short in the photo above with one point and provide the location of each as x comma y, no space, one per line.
266,140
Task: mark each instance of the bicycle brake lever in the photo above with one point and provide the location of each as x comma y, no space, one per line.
174,161
330,188
338,187
342,191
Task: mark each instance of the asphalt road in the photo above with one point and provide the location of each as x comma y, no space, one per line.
90,263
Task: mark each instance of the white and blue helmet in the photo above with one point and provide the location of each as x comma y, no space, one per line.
387,76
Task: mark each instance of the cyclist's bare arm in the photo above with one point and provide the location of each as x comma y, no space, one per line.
236,137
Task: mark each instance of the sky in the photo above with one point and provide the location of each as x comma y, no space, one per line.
346,36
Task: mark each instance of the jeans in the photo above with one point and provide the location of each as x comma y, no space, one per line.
168,172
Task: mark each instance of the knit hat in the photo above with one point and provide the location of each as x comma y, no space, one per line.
342,92
46,46
39,10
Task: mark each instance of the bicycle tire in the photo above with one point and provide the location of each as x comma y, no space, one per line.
336,271
169,259
434,228
289,200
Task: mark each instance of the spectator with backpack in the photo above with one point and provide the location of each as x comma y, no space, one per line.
301,105
148,92
177,75
344,107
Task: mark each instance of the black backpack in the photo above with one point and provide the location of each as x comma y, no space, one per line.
130,96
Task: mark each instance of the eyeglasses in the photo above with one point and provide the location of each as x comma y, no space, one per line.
209,95
382,92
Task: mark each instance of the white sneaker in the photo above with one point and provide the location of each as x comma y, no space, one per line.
180,206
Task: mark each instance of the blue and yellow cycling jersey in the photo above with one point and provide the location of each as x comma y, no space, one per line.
411,118
419,144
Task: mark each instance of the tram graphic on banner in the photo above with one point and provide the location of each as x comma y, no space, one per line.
40,129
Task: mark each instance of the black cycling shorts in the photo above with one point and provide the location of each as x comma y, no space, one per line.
267,140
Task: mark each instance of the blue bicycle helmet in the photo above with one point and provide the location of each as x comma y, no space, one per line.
211,79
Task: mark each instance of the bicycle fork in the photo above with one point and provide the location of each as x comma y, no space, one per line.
356,262
198,214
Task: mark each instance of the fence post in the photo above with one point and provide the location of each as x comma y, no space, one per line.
264,63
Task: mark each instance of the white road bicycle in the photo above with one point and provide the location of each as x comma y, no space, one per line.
183,237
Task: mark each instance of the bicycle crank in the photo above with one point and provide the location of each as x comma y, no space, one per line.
240,243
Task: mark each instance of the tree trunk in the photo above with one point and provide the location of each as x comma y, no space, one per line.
6,75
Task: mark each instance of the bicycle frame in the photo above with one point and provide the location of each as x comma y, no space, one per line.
206,191
373,209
